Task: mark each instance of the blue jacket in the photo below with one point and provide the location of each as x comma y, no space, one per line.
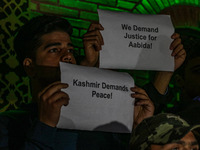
21,130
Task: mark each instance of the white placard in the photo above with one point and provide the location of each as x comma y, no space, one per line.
136,41
99,99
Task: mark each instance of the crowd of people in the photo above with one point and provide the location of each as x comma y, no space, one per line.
45,41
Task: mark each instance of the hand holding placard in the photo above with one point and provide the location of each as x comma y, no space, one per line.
136,41
99,99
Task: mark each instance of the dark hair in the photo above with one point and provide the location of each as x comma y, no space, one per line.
28,38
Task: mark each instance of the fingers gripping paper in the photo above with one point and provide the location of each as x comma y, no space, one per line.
99,99
136,41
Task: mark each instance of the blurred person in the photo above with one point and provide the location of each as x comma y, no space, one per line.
187,81
165,132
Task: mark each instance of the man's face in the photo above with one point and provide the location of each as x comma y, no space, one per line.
188,142
56,46
192,77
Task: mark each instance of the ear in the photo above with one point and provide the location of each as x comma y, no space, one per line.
27,62
29,67
179,81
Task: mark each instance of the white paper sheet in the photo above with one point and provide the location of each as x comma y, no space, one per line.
88,109
136,41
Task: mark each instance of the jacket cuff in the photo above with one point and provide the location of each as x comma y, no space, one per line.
159,100
42,134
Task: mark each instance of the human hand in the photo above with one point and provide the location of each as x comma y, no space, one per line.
178,51
93,41
163,78
143,107
51,99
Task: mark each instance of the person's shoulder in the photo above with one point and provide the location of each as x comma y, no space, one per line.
22,114
14,125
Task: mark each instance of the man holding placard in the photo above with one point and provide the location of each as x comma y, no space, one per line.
119,52
160,83
41,44
46,42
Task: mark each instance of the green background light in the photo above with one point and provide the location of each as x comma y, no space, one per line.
14,87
